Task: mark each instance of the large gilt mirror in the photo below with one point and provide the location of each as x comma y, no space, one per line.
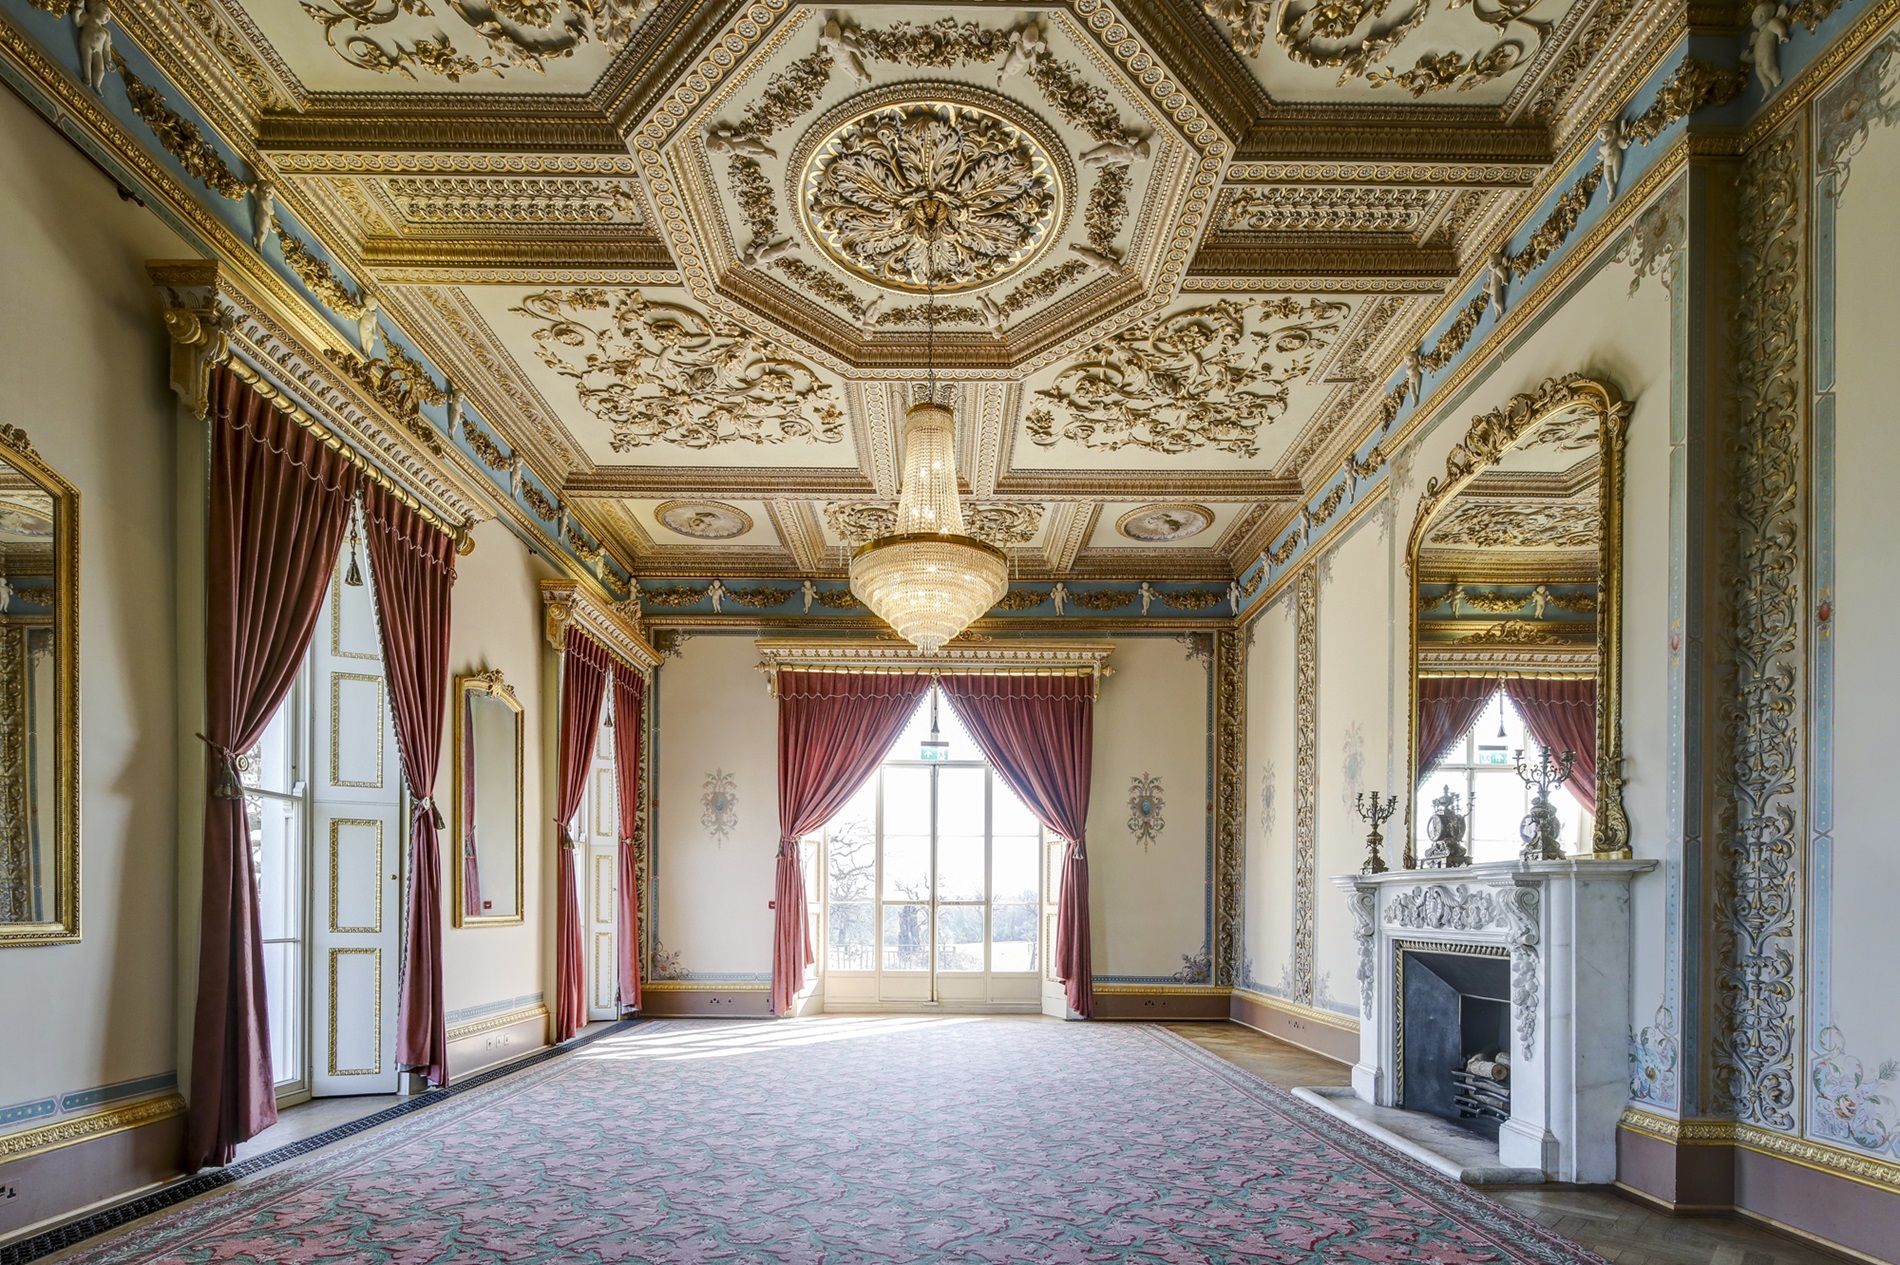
39,699
488,827
1514,563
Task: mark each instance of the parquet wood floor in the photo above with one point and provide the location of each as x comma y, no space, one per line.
1617,1227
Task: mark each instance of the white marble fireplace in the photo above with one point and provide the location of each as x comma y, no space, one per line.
1564,927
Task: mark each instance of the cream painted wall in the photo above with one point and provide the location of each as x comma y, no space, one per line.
1853,908
1355,686
83,363
711,896
496,623
1148,906
1268,894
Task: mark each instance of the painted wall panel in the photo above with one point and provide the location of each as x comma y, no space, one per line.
715,715
1148,905
1268,955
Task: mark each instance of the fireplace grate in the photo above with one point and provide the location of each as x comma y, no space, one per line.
1480,1096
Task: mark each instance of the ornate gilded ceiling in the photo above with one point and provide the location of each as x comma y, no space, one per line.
684,256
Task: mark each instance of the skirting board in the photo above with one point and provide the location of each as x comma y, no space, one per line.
51,1182
475,1046
1858,1219
1161,1005
708,1002
1322,1032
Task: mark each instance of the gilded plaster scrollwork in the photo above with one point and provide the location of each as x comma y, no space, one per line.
518,34
1305,778
1868,97
1204,377
1230,801
1005,524
1498,524
1758,892
926,195
657,372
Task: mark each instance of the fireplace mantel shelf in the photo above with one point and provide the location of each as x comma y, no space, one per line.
1565,927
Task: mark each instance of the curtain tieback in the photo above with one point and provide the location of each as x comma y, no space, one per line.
427,805
568,838
228,785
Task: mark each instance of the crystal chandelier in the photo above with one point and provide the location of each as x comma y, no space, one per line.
929,580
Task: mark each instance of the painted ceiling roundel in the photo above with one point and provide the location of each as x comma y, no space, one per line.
931,195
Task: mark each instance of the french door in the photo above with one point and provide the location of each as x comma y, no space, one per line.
932,887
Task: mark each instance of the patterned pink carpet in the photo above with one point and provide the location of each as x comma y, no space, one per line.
929,1139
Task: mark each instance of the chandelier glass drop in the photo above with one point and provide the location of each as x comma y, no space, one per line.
929,580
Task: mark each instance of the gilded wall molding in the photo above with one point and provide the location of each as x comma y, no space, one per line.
1306,782
85,1128
618,627
1832,1160
1230,802
494,1023
1760,789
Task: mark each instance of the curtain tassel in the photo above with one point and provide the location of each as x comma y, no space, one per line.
427,805
228,785
354,576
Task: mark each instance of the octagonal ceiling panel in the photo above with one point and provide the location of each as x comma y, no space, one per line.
865,168
1209,384
558,46
1162,525
1392,50
645,376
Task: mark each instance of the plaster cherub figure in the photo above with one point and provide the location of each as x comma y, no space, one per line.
366,327
1026,48
867,318
1116,153
723,138
1148,596
94,20
841,37
1060,596
1612,140
264,209
1768,31
1098,259
758,253
1497,275
992,314
1415,374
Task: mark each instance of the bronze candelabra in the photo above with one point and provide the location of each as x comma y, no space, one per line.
1539,829
1375,815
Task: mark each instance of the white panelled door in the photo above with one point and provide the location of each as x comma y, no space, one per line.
358,850
600,879
1055,1000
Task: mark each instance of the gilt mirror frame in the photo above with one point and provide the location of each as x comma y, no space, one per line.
491,684
63,927
1489,437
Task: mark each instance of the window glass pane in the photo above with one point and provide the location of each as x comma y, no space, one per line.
851,859
906,867
960,867
960,938
1499,805
1013,937
906,801
906,937
960,801
1013,869
283,997
274,851
270,765
1008,814
853,937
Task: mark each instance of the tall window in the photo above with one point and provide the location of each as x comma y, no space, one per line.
1481,770
932,869
274,785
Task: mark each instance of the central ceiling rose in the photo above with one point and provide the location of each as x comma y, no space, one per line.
941,189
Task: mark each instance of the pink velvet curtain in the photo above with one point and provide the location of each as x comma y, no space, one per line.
1039,732
833,730
413,565
1448,707
1562,715
583,684
630,691
280,500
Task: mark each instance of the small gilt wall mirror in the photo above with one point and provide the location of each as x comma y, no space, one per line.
1515,566
39,699
488,815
